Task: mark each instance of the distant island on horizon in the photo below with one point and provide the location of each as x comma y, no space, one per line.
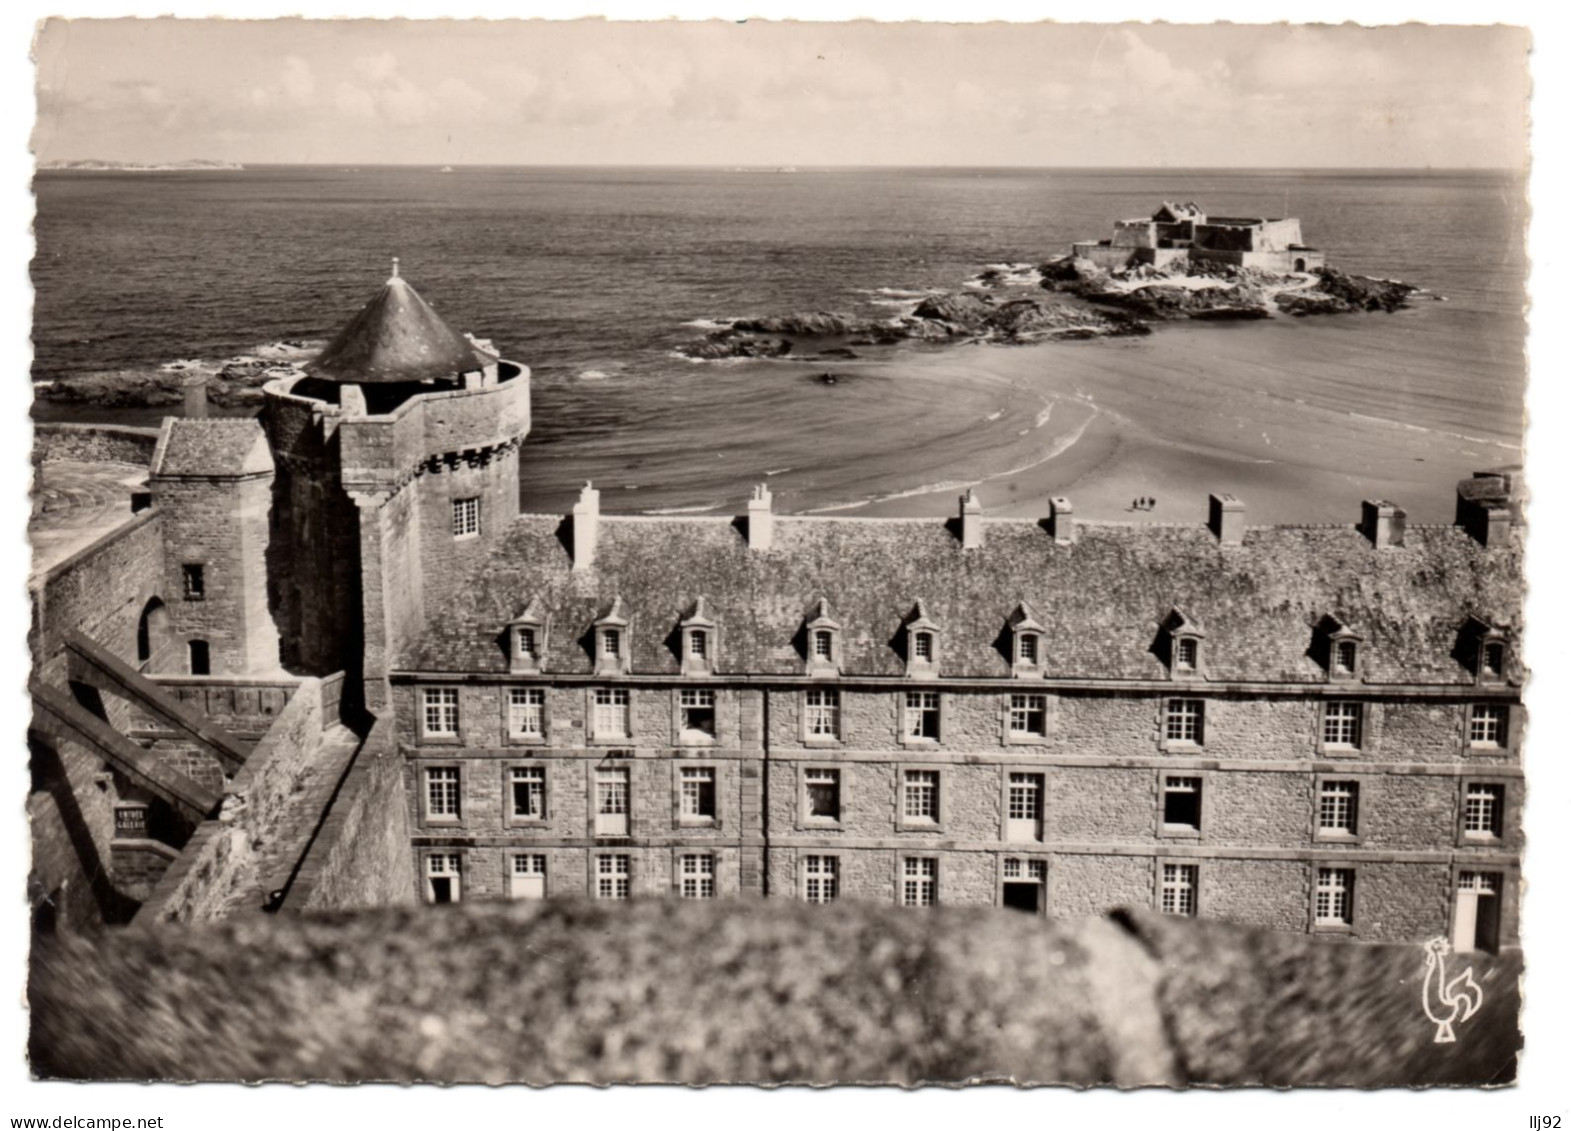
93,165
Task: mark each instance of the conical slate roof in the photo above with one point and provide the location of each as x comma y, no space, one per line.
396,337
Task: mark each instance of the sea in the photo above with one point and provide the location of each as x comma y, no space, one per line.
594,277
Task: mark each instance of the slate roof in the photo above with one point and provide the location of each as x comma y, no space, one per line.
211,447
396,337
1103,599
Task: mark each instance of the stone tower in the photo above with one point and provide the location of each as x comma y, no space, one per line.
213,481
397,459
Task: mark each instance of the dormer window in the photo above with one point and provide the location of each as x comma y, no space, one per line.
611,645
526,640
922,636
823,641
1183,639
698,640
1341,650
1026,634
1488,649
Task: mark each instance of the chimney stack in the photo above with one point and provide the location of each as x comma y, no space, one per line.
196,396
1227,519
586,527
970,521
1063,521
1384,523
761,519
1488,504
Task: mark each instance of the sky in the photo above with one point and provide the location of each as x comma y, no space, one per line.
775,93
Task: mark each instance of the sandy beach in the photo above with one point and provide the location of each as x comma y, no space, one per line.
1260,411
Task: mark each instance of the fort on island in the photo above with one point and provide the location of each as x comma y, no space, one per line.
323,661
1183,233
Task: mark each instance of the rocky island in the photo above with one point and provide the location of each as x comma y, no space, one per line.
1178,264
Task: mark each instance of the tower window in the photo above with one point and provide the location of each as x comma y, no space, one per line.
466,517
201,660
194,578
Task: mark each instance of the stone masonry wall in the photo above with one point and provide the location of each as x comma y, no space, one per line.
1102,761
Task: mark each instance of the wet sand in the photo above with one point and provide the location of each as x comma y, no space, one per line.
1199,409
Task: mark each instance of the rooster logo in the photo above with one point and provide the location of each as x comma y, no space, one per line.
1456,1000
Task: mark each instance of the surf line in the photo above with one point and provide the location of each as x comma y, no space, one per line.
1057,448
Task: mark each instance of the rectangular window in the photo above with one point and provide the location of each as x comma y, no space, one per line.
526,712
823,794
920,803
611,642
466,517
1188,653
823,714
441,711
195,580
1025,807
1180,883
1028,716
1017,869
824,644
525,638
526,878
528,784
698,644
698,793
1334,897
821,879
441,793
1487,724
611,801
613,712
443,877
698,876
1344,724
1492,662
1339,808
923,647
1345,657
1185,721
1028,648
613,876
922,715
696,706
1181,804
919,883
1483,811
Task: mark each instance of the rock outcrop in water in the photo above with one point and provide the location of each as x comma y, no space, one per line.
237,384
962,317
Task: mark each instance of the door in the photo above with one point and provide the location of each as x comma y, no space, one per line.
1023,897
1477,913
